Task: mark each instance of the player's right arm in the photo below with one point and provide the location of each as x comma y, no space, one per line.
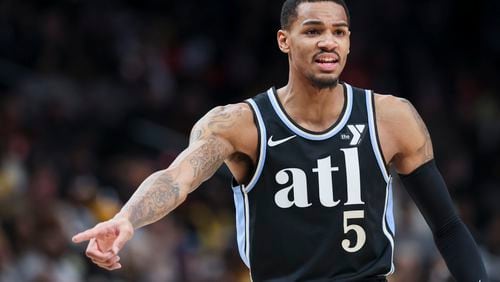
211,142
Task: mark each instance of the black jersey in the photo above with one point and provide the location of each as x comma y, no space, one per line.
319,206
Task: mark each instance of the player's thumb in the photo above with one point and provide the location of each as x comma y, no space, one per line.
119,242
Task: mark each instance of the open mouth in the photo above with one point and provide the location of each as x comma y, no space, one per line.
327,62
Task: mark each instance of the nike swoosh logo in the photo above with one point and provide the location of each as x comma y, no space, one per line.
272,143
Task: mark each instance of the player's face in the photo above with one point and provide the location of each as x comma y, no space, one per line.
317,43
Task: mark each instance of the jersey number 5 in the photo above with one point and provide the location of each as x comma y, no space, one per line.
360,232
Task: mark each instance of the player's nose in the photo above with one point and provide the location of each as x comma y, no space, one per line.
327,42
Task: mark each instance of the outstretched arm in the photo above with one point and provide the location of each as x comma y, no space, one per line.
164,190
424,183
161,192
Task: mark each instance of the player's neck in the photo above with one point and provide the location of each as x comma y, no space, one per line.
313,108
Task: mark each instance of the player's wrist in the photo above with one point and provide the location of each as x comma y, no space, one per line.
124,218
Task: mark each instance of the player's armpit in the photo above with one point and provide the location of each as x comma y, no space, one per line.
412,138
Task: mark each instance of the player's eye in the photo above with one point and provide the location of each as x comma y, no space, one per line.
340,32
312,32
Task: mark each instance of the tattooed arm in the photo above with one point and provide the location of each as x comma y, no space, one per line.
164,190
211,142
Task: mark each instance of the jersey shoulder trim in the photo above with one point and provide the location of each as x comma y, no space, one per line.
261,128
372,125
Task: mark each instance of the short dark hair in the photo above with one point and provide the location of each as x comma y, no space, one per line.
289,11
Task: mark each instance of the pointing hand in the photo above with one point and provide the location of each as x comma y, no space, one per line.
106,239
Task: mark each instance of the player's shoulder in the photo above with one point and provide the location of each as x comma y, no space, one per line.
225,119
401,121
230,109
238,112
393,109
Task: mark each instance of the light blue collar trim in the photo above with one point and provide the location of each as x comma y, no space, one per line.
307,135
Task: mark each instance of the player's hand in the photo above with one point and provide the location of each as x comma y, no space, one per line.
106,239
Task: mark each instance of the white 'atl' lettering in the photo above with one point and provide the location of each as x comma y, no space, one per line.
353,176
297,179
325,181
299,188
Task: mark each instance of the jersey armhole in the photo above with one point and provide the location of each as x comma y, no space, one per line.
261,154
372,125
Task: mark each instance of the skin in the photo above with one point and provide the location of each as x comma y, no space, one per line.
228,134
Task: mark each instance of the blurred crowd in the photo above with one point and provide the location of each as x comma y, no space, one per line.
96,95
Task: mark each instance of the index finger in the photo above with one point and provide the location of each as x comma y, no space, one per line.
85,235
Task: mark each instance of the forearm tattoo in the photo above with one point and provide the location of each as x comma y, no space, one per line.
154,198
427,148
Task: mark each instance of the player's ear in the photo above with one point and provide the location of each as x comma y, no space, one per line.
349,37
283,41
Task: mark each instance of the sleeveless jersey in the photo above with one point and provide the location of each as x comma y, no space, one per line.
319,205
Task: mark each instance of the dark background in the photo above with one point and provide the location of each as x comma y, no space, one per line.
96,95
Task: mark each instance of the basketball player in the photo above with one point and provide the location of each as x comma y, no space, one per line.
309,160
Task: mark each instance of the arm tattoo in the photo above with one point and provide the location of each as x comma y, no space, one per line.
160,192
154,198
220,118
223,118
195,135
427,148
207,158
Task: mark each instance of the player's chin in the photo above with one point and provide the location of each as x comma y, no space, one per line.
324,81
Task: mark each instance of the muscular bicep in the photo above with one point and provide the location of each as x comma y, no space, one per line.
209,145
200,160
413,139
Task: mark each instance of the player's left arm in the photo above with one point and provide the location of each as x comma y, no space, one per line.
414,161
